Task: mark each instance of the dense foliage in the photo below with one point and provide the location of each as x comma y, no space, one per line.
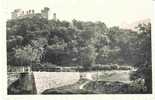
82,43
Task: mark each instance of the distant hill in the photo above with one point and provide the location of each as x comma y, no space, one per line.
134,24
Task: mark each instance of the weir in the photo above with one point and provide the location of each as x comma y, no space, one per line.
48,80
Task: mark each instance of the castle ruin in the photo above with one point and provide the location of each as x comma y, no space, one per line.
19,13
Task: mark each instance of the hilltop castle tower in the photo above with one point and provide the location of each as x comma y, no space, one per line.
44,12
54,16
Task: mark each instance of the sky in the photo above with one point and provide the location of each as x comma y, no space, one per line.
112,12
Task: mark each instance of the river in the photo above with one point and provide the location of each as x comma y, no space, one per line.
47,80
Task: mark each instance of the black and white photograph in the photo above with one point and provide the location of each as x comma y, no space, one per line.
63,47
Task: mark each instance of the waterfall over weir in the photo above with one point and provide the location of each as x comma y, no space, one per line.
48,80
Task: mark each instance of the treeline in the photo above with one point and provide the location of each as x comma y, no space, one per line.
63,43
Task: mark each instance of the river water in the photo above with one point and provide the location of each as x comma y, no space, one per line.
113,75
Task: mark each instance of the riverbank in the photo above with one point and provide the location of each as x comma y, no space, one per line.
84,86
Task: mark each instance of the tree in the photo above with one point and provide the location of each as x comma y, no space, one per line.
144,63
87,56
26,56
77,24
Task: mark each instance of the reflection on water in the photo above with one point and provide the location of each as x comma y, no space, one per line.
114,75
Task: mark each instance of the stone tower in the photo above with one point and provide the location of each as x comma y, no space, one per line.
44,12
54,16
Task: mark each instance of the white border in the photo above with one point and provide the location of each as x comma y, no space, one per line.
3,75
